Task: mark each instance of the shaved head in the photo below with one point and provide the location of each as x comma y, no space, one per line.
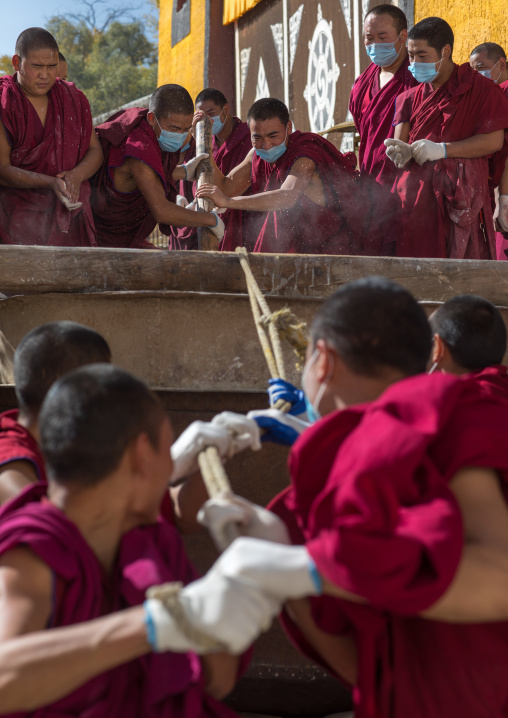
34,39
491,49
171,99
398,17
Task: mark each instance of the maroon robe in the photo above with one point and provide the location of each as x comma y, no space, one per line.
493,380
373,109
18,444
165,685
371,502
227,156
37,216
496,168
124,219
308,227
446,208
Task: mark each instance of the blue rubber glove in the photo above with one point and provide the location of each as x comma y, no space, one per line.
280,389
278,427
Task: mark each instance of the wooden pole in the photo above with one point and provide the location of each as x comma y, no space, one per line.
206,239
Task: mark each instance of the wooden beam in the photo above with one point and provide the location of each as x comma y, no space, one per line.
206,238
35,270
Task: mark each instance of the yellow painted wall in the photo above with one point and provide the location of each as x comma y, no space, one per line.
187,56
472,21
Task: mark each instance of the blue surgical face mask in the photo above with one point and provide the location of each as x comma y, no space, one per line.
217,124
274,153
425,71
312,407
383,54
488,73
185,147
171,141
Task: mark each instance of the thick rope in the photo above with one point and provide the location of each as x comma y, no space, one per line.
280,324
169,595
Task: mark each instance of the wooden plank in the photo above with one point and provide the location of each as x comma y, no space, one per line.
35,270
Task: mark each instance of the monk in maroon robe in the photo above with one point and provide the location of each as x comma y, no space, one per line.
81,559
489,59
231,144
135,188
48,150
372,105
452,122
308,191
43,356
385,490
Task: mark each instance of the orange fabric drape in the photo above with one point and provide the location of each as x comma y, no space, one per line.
233,9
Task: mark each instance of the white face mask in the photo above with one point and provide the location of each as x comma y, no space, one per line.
313,413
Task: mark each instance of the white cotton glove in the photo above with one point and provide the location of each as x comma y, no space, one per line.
219,228
244,431
239,596
223,511
192,205
428,151
399,152
191,443
192,165
181,201
502,216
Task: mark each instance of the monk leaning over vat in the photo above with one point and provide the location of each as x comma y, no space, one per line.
77,557
135,189
307,190
372,105
231,144
445,130
48,150
489,59
397,515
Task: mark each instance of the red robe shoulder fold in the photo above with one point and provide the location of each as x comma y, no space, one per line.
17,444
446,207
36,216
370,499
307,227
165,685
373,110
227,156
124,219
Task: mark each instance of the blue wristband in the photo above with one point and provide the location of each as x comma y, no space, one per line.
316,577
150,628
185,168
444,147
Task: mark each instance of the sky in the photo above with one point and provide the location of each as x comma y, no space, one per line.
34,13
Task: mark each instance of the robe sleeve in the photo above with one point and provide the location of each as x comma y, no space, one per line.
403,108
494,115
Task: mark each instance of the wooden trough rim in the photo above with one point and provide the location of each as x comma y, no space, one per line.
42,270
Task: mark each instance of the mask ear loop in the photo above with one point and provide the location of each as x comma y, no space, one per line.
433,368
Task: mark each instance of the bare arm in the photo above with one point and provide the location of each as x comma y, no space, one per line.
85,169
38,667
14,476
479,590
503,184
286,197
476,146
237,181
163,211
402,132
22,179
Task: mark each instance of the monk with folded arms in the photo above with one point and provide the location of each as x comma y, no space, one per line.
304,188
74,554
48,150
135,188
445,130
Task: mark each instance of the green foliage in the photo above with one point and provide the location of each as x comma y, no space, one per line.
113,65
6,65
